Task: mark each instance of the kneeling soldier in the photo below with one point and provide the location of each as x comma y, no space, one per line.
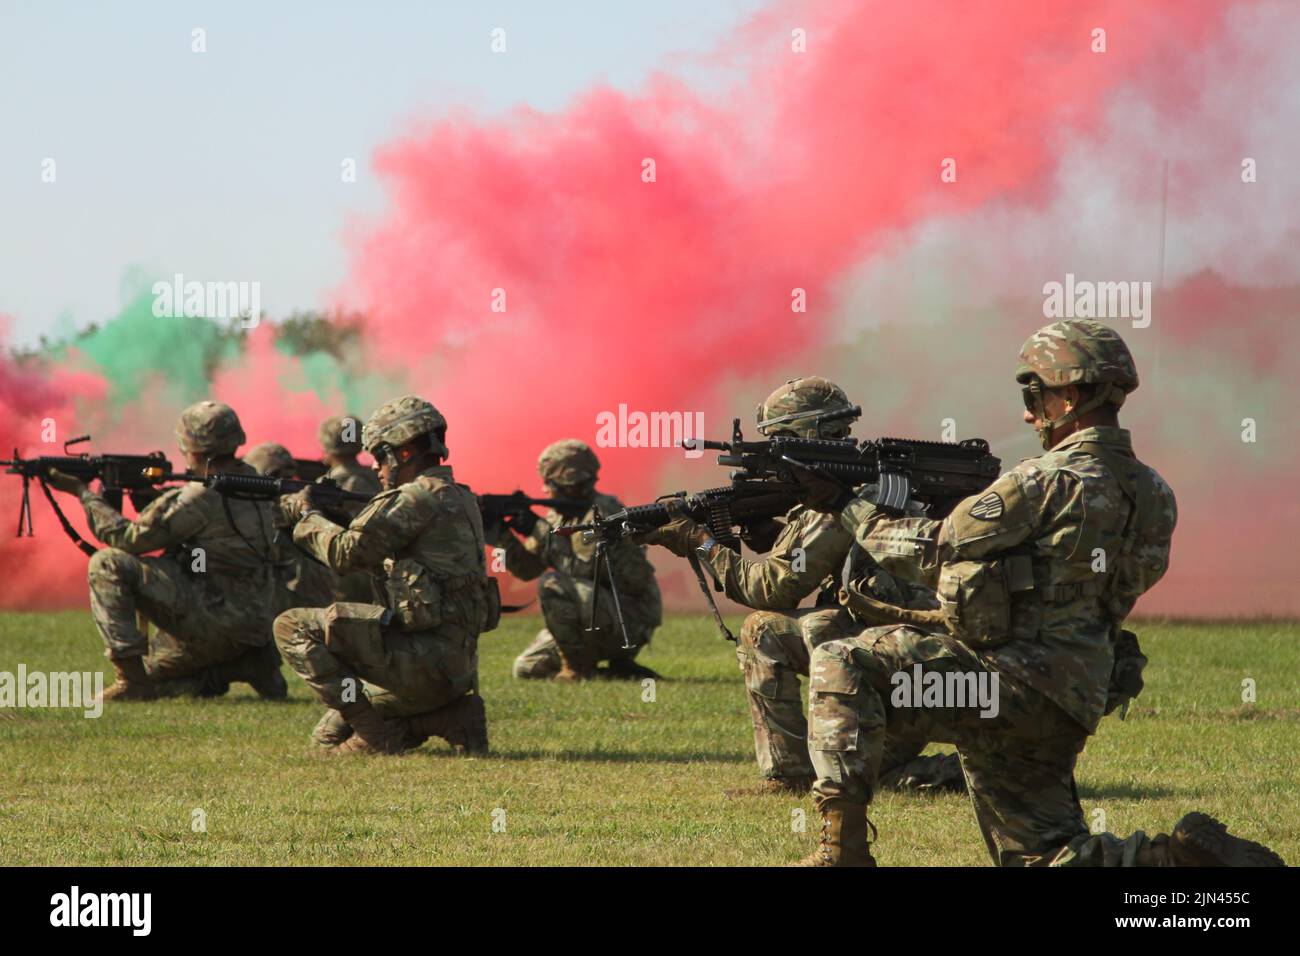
397,673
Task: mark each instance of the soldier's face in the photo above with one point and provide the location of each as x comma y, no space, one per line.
1056,402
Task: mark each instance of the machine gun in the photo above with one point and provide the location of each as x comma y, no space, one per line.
765,484
937,474
116,474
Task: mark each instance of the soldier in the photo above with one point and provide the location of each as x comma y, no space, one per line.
210,593
300,580
564,649
340,442
1035,577
396,673
806,551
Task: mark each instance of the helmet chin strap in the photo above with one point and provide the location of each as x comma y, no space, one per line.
1046,425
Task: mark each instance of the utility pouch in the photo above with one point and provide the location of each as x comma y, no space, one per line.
975,602
492,598
414,596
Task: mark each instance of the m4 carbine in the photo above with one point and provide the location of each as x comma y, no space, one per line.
116,474
326,493
495,507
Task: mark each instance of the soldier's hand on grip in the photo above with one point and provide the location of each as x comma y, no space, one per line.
68,484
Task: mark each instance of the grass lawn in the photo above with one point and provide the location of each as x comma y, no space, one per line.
589,774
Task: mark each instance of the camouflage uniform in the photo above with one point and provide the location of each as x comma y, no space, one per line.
566,592
300,581
417,652
210,592
338,439
1025,596
774,644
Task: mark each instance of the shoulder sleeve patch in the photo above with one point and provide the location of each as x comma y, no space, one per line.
988,508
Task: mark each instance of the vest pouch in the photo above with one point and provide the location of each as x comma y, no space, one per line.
975,602
492,598
414,596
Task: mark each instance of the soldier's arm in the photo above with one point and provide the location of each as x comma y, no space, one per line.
384,526
1007,513
167,521
813,546
525,558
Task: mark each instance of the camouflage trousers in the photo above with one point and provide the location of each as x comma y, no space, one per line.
198,627
566,608
1019,763
773,650
344,650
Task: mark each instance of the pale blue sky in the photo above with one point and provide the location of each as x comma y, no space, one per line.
225,165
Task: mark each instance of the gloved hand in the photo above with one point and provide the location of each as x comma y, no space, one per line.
293,506
523,522
679,535
821,494
68,484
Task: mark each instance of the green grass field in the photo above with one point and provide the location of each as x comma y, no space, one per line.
589,774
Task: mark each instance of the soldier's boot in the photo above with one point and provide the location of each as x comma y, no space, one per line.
259,667
132,684
462,723
576,665
937,773
624,668
332,729
843,840
1200,840
772,787
371,733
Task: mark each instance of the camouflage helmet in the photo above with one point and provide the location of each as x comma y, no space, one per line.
271,459
792,406
568,462
1074,352
402,420
334,435
1078,352
211,428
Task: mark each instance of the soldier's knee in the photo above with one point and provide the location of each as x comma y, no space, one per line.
297,627
113,564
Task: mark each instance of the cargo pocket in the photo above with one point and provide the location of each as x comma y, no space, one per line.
832,703
976,602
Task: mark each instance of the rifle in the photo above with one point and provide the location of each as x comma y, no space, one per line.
309,469
326,492
937,474
115,473
495,507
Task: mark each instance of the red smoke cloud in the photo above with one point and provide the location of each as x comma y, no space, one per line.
675,295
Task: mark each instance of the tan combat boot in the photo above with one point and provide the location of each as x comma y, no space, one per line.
371,733
1200,840
843,839
132,683
462,723
580,665
772,787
